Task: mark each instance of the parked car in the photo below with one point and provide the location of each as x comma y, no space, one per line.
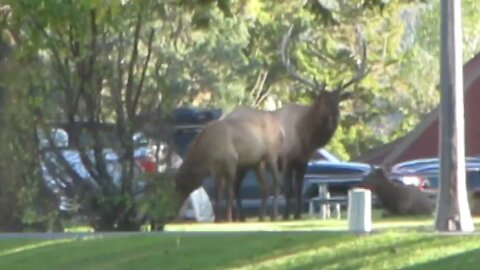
414,172
337,175
410,165
60,182
431,174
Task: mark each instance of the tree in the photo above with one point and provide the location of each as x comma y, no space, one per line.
453,212
89,62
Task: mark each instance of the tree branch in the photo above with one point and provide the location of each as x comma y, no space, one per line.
144,71
131,64
56,55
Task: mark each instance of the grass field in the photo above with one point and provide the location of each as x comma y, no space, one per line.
406,244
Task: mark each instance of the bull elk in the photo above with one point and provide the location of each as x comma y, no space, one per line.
396,198
309,127
225,148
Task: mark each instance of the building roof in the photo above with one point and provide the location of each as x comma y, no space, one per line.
424,139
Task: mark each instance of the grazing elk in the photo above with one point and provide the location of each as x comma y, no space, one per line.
272,127
309,127
223,147
396,198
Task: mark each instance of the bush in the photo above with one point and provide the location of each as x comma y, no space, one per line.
159,202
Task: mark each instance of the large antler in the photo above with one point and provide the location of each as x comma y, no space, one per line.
362,67
290,70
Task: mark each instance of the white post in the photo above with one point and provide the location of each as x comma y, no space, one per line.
359,210
338,212
323,194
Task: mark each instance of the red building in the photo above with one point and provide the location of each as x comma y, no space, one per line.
423,141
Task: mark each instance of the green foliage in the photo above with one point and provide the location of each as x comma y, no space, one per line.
159,203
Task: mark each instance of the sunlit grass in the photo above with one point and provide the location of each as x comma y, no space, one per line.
395,243
309,224
405,248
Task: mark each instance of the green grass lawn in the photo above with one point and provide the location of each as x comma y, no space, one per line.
406,244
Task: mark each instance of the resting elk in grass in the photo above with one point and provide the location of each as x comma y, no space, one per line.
222,148
474,202
309,127
397,198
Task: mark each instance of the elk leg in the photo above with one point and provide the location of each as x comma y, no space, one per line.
240,215
299,175
287,185
276,187
260,174
218,197
230,178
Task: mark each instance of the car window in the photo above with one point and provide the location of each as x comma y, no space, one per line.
332,170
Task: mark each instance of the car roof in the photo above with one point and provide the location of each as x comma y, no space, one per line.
424,162
329,156
472,166
340,164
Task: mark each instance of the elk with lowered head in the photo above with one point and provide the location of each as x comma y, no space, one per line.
271,126
309,127
225,146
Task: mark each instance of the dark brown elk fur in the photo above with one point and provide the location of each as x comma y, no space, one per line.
396,198
474,202
309,127
224,146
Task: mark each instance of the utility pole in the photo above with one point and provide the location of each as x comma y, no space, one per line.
453,212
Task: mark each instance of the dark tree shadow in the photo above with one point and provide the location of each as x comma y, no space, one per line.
464,261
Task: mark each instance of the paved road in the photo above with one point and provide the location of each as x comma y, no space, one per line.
84,235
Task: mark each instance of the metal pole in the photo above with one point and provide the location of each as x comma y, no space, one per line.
452,213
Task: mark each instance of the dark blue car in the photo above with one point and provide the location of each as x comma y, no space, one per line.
431,174
423,173
338,176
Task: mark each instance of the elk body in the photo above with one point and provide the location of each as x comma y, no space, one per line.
226,147
309,127
273,136
396,198
474,202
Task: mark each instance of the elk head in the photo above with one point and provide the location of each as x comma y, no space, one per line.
327,99
376,177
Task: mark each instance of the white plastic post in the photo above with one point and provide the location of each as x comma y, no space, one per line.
338,212
324,207
310,208
359,210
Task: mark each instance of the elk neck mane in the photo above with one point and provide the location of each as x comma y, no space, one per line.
317,126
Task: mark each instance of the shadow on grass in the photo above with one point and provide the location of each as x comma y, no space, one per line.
464,261
352,259
390,255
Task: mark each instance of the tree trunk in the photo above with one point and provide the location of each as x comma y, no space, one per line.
453,213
